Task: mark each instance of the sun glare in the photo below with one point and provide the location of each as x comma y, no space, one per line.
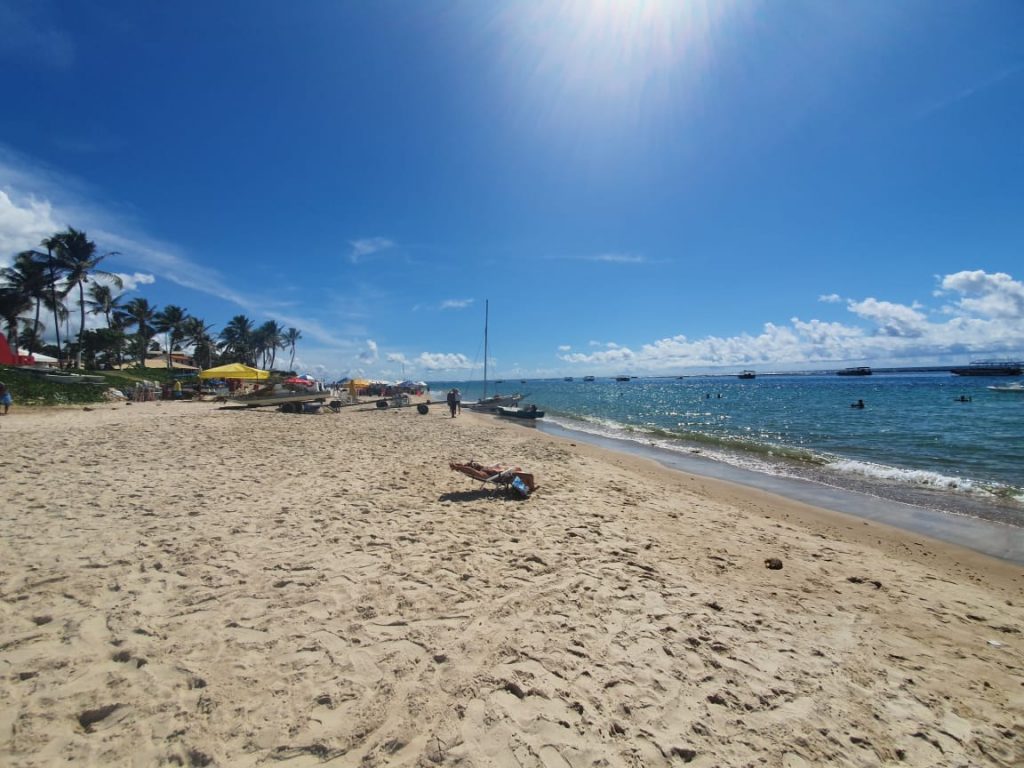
613,56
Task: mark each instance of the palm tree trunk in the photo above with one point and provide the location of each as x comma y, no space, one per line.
81,327
35,329
56,317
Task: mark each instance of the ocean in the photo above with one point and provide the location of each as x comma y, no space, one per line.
915,441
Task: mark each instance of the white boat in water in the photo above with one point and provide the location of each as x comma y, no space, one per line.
1017,386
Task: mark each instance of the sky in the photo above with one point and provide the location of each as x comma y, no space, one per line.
634,188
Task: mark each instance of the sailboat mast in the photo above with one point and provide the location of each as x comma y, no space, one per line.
487,308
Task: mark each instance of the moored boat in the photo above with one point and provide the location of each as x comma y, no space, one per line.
530,412
860,370
492,403
989,368
588,378
747,375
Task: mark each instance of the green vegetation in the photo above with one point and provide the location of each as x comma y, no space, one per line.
31,389
40,285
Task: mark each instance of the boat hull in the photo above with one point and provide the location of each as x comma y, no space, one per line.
524,414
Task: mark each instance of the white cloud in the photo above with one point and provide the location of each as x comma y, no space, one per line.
23,226
991,295
617,258
370,355
564,347
831,298
891,319
130,282
368,246
396,357
456,303
443,361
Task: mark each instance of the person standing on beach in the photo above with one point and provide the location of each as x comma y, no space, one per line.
452,402
5,397
458,401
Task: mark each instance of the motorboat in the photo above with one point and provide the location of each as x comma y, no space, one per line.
747,375
529,412
588,378
567,378
622,378
1017,386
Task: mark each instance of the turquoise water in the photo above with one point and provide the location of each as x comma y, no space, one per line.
913,441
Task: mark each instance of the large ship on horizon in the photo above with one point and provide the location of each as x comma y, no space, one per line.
989,368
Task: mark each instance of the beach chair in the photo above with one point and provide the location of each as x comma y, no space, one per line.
504,478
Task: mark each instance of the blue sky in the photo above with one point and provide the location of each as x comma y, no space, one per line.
659,187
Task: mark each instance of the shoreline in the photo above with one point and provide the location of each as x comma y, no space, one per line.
991,537
182,583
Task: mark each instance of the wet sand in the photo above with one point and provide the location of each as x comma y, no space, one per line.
186,585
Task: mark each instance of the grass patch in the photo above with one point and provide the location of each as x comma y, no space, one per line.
29,389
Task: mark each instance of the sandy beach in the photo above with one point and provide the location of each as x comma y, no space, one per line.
182,584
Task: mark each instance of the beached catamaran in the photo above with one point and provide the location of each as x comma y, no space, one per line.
495,401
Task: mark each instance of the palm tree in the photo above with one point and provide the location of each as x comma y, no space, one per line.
102,301
139,313
27,283
76,256
171,320
291,338
52,244
198,334
13,304
119,323
267,340
237,339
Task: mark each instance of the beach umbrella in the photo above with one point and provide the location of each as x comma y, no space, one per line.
235,371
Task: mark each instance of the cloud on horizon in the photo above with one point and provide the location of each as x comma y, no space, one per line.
984,315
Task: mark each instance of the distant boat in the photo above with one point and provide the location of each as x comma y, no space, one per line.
567,378
1017,386
747,375
861,370
588,378
989,368
622,378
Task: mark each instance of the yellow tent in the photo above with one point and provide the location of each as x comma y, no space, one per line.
235,371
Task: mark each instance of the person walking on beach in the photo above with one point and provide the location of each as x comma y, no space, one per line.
5,397
452,402
458,401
